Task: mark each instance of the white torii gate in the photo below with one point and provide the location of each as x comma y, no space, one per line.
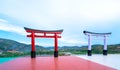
89,34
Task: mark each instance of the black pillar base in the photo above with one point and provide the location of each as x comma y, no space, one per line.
89,52
33,54
104,52
55,53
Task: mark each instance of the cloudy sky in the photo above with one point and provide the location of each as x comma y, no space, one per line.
73,16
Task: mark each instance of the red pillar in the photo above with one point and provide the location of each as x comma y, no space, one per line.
56,46
33,53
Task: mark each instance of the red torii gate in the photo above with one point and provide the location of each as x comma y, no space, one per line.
43,34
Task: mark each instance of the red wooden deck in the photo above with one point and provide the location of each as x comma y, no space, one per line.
51,63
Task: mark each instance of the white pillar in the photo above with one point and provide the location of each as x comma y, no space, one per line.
105,43
89,46
89,43
105,46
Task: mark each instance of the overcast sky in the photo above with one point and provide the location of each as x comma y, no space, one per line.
73,16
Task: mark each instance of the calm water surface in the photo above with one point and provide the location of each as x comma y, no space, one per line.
2,60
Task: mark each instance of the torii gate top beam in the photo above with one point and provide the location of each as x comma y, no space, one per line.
29,30
96,34
43,32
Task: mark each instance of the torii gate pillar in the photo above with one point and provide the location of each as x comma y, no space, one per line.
89,46
33,53
105,46
56,46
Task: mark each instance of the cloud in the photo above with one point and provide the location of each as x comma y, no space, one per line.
59,14
91,10
3,21
72,16
46,12
6,26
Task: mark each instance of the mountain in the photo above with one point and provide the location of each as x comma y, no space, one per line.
8,45
97,49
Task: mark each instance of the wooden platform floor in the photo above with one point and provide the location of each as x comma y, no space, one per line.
51,63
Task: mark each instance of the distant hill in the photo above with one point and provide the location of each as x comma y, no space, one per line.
6,45
97,49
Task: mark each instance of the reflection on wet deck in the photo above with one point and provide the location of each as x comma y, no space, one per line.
51,63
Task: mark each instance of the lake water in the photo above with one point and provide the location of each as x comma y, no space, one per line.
2,60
